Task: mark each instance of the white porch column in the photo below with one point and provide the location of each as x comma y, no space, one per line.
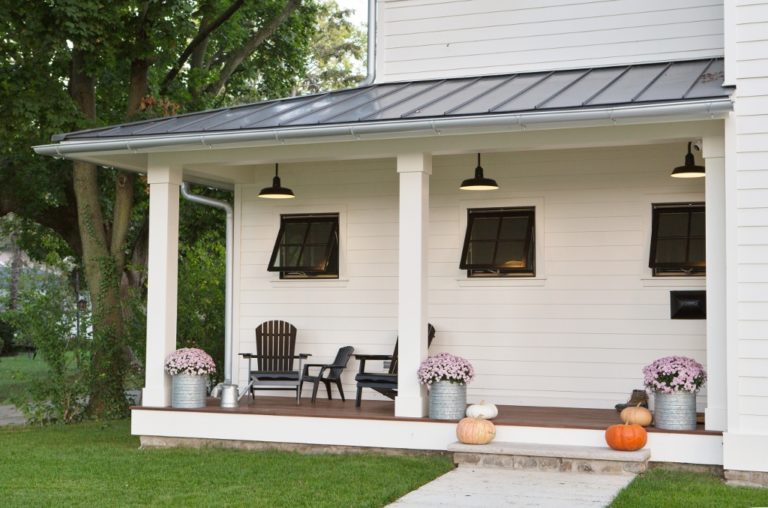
713,150
414,170
164,182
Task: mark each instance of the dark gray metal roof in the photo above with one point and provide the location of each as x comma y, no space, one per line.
486,95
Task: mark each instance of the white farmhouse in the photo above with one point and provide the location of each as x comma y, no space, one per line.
579,111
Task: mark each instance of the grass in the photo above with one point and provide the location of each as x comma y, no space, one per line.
17,373
95,464
682,489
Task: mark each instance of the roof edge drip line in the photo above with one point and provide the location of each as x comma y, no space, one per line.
685,110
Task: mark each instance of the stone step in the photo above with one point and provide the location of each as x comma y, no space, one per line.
544,457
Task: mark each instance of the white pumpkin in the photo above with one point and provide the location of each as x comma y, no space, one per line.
484,410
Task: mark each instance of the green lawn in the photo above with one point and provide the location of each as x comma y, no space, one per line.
680,489
17,373
95,464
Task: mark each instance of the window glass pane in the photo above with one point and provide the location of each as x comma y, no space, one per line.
319,232
484,228
294,232
510,255
697,224
514,228
673,224
499,243
314,257
481,253
671,251
697,255
679,235
289,255
307,247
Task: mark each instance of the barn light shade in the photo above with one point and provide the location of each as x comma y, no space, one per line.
277,191
690,169
479,182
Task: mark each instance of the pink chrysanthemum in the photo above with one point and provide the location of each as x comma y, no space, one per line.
190,361
445,367
674,374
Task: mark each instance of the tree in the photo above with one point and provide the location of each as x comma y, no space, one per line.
112,61
338,52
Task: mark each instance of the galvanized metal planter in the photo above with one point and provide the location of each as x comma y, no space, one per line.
674,411
447,401
188,390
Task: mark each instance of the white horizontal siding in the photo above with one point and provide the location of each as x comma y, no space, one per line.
579,338
361,310
450,38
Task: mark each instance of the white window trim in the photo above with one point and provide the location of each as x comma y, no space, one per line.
537,203
341,210
647,278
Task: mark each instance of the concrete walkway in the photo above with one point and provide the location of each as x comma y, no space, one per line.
9,415
492,487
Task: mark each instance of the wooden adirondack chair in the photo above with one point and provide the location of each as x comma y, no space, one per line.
383,382
275,358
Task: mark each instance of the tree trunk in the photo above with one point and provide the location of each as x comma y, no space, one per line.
138,87
108,362
107,398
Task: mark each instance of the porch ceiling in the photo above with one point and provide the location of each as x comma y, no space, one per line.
666,91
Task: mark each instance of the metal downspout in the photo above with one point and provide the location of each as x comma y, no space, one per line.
371,67
227,387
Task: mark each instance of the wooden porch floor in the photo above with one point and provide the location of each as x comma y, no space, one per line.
526,416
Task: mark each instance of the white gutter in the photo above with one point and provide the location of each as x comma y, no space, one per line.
228,317
700,109
371,67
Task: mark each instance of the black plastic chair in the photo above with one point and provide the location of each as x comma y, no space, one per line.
275,347
328,373
383,382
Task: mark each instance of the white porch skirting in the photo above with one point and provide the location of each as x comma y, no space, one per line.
396,434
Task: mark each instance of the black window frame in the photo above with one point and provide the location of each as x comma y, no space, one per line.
330,268
479,270
677,268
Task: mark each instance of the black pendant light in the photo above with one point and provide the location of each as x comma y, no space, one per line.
690,169
479,182
276,191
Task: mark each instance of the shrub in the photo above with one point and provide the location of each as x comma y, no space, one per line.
47,319
201,299
6,336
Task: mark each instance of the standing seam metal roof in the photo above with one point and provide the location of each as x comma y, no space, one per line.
443,98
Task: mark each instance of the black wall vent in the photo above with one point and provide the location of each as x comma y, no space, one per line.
688,304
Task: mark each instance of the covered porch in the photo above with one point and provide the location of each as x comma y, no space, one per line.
574,335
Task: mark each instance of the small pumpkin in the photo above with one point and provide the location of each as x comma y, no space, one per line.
484,410
636,414
626,436
475,431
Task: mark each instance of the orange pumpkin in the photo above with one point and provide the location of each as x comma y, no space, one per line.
475,431
626,437
636,414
